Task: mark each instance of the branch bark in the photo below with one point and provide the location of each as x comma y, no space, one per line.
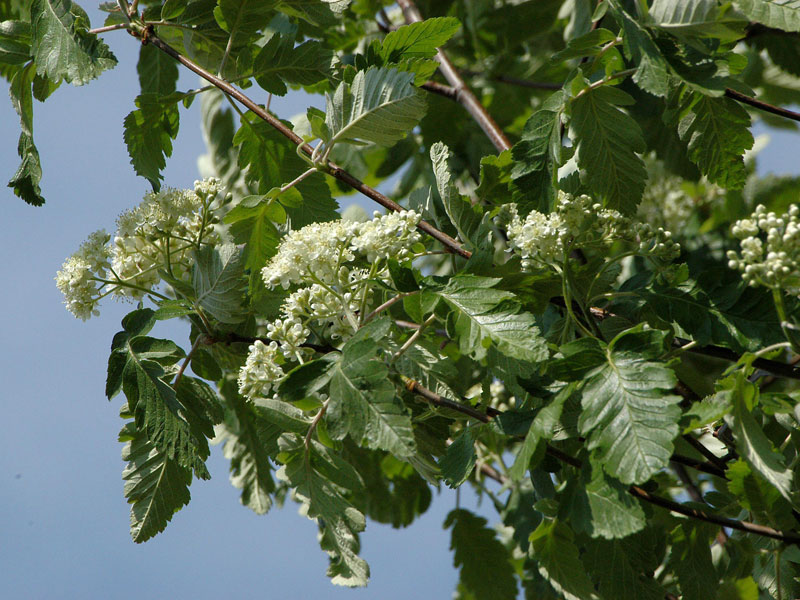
461,91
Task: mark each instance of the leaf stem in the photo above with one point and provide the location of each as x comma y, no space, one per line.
200,338
313,426
387,304
414,336
99,30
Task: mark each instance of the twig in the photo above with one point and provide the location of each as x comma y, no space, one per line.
462,93
314,423
765,364
671,505
200,339
698,465
331,169
775,110
415,388
709,456
108,28
696,495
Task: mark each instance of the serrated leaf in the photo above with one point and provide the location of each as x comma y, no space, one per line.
148,134
717,133
251,225
588,44
459,460
691,558
482,312
754,445
61,45
483,562
323,498
243,18
280,62
700,18
155,485
308,378
158,72
218,281
617,567
613,512
422,363
15,42
363,402
536,157
718,308
628,415
780,14
380,106
552,546
25,182
249,440
418,40
608,141
651,74
543,427
465,217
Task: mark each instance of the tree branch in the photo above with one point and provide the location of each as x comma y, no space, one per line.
463,95
758,104
331,169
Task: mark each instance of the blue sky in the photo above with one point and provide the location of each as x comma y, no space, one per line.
63,519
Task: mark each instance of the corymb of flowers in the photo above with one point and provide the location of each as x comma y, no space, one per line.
158,234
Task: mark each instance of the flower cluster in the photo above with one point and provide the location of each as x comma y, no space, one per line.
158,233
578,221
335,264
770,249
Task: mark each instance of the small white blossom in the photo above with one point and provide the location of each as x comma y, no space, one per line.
770,249
291,334
260,371
390,235
78,276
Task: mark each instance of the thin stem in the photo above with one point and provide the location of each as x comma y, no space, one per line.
188,358
463,94
297,180
440,401
386,305
414,337
709,456
604,81
99,30
331,169
758,104
314,423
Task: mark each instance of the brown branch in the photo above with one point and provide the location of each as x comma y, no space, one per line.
671,505
415,388
758,104
463,95
709,456
331,168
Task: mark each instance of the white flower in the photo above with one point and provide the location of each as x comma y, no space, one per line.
260,371
770,249
75,280
291,334
386,236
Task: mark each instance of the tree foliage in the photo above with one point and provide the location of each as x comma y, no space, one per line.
581,300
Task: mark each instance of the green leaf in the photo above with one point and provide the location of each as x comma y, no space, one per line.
423,363
25,182
465,217
718,308
608,141
697,18
269,160
495,178
251,224
149,132
321,480
15,42
158,72
308,378
651,74
323,13
617,565
628,415
280,62
243,18
363,402
484,566
155,485
753,444
537,156
780,14
691,558
482,313
380,106
62,47
250,438
418,40
543,427
758,496
557,557
459,460
613,513
717,133
218,281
